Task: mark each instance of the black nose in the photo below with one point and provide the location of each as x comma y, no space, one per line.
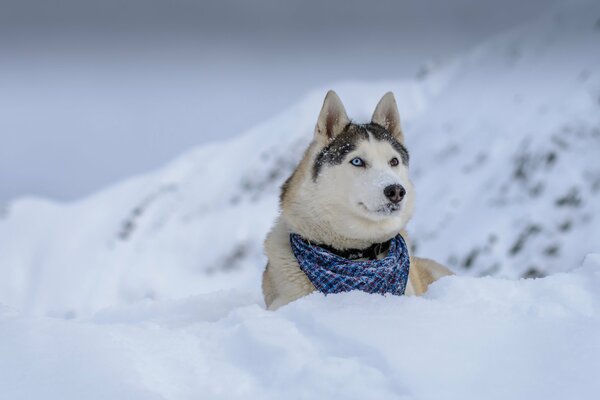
395,193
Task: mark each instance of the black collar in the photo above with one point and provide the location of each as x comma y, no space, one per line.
369,253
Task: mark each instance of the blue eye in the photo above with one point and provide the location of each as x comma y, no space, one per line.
357,162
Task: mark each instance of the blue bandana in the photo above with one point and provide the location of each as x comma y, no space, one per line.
330,273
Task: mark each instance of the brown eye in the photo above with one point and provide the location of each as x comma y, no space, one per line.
394,162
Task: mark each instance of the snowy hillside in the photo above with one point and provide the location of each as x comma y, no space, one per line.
508,156
469,338
151,289
505,147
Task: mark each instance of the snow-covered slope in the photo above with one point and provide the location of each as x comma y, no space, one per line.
505,146
508,156
468,338
155,282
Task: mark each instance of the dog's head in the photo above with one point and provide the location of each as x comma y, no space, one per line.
352,187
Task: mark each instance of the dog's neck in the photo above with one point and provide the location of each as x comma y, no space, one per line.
319,233
370,253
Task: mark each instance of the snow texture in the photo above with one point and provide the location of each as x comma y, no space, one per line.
468,338
151,289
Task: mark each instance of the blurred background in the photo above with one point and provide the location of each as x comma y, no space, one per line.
143,143
92,92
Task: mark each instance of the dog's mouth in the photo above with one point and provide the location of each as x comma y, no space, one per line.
386,209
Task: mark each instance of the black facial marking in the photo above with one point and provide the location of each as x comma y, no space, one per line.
335,152
380,133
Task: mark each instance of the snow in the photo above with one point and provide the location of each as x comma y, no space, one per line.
467,338
521,122
151,288
507,134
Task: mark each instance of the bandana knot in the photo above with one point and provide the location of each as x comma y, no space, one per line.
331,273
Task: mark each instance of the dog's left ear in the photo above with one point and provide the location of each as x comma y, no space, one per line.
386,114
332,119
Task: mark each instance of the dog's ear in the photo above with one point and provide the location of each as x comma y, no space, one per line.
332,119
386,114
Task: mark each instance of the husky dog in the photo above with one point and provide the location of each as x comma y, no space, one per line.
351,190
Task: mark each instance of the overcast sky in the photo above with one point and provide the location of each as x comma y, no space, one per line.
93,92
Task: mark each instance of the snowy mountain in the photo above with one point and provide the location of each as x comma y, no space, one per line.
151,289
514,141
505,146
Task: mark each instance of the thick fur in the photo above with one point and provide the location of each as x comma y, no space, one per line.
328,200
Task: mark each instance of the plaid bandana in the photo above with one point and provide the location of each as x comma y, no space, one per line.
331,273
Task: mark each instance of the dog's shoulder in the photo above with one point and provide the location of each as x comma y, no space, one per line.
423,271
283,280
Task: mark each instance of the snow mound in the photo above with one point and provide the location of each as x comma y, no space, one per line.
468,338
507,156
504,145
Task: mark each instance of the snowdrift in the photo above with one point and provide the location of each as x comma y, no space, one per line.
468,338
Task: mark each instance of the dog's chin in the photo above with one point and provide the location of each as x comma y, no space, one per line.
384,211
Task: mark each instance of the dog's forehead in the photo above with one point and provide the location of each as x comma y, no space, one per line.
352,135
349,140
383,135
374,147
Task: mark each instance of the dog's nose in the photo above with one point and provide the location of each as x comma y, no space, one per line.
395,193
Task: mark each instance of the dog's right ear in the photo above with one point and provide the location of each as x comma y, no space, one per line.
386,114
332,119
